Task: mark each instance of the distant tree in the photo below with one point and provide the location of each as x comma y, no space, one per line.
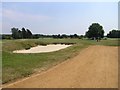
36,36
71,36
0,36
55,36
114,34
58,36
64,36
81,36
5,36
24,33
95,31
19,34
14,32
28,33
75,36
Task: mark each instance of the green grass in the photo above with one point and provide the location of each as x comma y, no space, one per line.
22,65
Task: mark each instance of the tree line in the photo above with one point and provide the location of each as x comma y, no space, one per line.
26,33
114,34
95,31
21,34
36,36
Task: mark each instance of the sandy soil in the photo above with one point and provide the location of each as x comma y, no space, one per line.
40,49
94,67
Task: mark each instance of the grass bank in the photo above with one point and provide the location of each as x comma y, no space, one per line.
22,65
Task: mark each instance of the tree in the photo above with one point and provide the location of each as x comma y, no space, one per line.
95,31
75,36
114,34
58,36
19,34
14,32
63,36
29,34
81,36
24,33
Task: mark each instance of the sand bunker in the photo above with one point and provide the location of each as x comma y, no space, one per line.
40,49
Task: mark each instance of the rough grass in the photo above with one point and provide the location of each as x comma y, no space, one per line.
21,65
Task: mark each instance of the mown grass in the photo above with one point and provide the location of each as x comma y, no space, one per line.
21,65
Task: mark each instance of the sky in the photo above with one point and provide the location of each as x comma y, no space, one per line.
59,17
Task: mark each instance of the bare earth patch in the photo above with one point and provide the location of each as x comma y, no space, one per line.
40,49
94,67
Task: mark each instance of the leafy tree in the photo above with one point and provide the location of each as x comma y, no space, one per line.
75,36
81,36
29,34
64,36
0,36
95,31
21,34
5,36
14,32
24,33
114,34
58,36
71,36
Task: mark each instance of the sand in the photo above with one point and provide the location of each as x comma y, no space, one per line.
94,67
41,49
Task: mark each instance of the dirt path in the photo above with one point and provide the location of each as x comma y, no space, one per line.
94,67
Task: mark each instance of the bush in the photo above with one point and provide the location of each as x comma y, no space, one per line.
105,38
27,48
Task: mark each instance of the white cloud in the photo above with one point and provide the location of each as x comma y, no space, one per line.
23,17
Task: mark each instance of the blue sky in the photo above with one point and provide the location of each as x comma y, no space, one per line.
59,17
